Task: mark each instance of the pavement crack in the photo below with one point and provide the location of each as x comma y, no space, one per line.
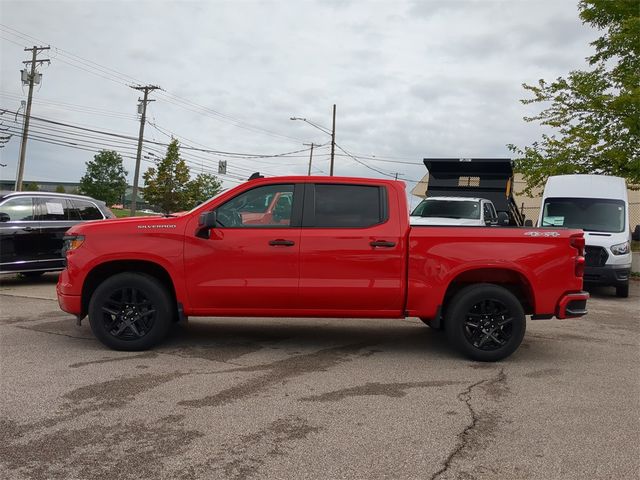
278,372
465,437
53,333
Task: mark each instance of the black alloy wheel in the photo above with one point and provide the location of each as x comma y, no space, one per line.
485,322
488,325
128,314
131,311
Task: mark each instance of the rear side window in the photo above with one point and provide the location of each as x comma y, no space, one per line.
17,209
87,210
71,211
353,206
53,208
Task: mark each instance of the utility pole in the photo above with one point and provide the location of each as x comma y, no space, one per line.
310,156
30,76
143,103
333,140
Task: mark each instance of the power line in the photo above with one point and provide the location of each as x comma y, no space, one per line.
113,75
73,107
129,137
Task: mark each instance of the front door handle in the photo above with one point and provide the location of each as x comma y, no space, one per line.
382,243
281,243
28,229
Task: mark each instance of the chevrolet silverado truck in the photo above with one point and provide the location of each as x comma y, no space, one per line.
342,247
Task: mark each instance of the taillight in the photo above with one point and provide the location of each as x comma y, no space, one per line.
577,242
579,267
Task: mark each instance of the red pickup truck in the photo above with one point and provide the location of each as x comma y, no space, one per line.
342,247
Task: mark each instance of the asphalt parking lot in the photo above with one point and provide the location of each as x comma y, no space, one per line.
316,399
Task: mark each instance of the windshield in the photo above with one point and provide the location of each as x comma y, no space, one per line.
448,209
589,214
215,196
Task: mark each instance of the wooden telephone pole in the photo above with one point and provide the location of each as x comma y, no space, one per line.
143,118
30,76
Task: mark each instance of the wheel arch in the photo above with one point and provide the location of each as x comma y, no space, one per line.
512,280
101,272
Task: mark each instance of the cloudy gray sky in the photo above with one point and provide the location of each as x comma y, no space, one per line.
411,78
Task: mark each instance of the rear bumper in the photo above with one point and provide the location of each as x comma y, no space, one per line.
611,275
572,305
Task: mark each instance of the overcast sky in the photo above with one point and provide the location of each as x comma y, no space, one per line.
411,79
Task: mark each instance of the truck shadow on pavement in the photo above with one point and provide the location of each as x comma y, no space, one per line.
223,339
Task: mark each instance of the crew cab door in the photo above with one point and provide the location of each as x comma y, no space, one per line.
19,232
352,251
250,261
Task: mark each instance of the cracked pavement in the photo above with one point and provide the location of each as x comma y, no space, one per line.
316,399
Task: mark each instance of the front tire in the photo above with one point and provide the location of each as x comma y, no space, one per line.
130,311
30,275
485,322
622,291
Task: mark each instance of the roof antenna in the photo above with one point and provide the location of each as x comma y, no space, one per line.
255,175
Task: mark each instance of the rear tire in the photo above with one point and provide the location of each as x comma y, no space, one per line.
485,322
622,291
131,312
31,275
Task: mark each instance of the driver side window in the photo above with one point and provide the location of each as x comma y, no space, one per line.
267,206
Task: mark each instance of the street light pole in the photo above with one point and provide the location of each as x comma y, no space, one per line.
331,132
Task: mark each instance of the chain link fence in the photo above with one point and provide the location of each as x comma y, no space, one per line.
634,215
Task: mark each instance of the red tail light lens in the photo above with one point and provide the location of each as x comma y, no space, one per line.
577,242
579,267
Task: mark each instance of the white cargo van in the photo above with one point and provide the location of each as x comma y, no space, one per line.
598,205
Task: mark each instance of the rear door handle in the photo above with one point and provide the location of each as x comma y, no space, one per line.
282,243
382,243
28,229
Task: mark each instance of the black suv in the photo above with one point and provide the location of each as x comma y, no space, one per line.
32,225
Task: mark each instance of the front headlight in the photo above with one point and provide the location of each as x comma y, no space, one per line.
620,248
72,242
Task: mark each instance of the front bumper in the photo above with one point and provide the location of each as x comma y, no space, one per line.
611,275
572,305
70,303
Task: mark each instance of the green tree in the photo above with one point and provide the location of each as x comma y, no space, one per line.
595,114
60,189
31,187
105,177
203,188
166,185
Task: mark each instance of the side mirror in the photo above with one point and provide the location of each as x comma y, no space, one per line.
4,217
503,219
636,234
528,223
208,220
